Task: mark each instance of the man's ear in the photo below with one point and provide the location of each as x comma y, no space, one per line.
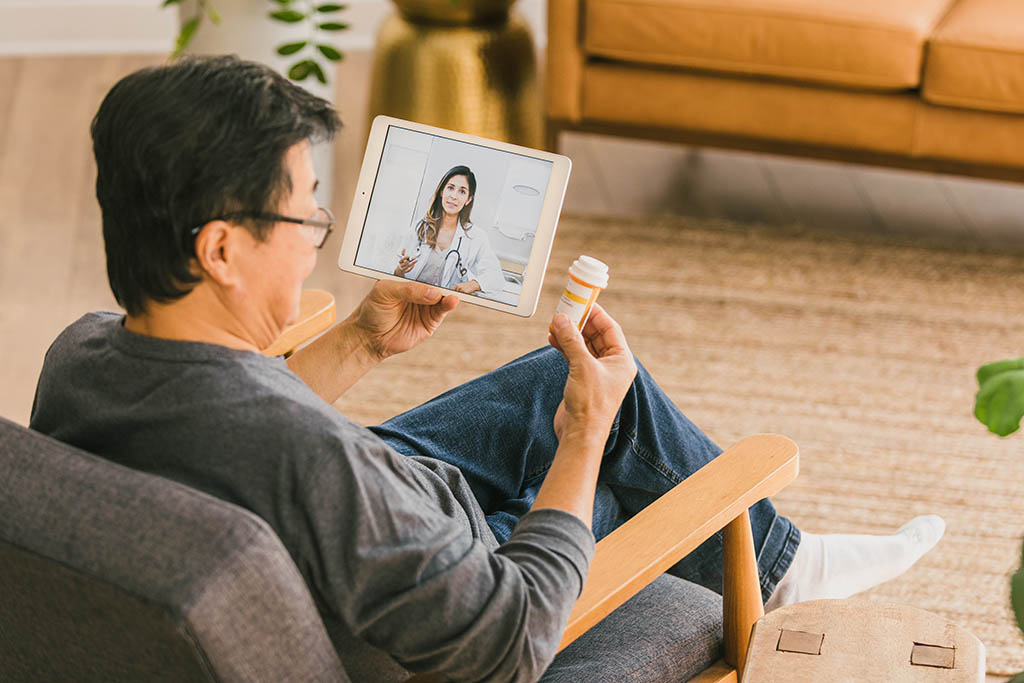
215,251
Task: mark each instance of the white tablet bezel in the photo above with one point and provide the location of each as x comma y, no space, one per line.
544,235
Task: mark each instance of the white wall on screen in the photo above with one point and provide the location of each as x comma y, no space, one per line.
393,203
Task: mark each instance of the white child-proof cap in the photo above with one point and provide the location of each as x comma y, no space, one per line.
591,271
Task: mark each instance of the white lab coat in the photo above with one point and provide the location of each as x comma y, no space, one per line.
478,259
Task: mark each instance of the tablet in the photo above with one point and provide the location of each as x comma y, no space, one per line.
473,216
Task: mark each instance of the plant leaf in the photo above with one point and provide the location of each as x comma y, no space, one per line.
213,13
288,15
170,2
1017,596
999,404
330,7
318,72
300,70
291,48
329,52
333,26
1019,678
188,29
991,369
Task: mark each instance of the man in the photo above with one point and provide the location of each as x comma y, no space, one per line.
428,543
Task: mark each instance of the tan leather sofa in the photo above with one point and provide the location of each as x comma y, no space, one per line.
927,84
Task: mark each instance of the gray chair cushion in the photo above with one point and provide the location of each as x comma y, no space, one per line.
669,631
114,574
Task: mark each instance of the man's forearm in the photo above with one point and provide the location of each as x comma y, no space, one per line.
570,483
334,362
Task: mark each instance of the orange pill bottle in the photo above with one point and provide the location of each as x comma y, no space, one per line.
587,277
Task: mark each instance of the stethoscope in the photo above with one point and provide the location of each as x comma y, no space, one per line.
458,258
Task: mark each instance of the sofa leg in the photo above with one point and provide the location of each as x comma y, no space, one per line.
551,131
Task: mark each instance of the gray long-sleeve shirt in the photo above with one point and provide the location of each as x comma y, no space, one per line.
395,550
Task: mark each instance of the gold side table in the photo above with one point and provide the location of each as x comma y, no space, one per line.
478,78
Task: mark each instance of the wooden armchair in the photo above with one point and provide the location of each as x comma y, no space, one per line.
86,545
714,498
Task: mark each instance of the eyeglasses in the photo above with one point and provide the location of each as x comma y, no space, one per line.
316,229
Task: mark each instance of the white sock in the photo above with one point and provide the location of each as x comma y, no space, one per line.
841,565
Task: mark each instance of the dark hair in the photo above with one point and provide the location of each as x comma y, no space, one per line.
430,224
180,144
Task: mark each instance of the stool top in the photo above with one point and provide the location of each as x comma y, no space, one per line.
859,640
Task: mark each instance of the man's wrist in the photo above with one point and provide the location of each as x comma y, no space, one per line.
588,429
355,342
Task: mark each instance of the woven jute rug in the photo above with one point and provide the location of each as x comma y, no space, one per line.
860,349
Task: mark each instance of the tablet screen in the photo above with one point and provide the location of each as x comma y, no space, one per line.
454,214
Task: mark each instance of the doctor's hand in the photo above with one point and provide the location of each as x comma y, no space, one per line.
468,287
405,264
601,370
396,316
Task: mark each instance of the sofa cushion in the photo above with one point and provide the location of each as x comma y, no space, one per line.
976,57
864,43
953,134
743,108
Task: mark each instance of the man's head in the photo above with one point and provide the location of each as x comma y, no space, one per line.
179,145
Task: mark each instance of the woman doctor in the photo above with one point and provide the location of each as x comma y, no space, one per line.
445,249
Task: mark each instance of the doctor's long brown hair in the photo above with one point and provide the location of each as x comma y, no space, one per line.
430,224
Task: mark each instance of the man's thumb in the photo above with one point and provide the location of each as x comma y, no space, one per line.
569,338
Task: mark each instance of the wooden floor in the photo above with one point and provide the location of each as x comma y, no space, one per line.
51,255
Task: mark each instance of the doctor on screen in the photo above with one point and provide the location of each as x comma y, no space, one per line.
444,248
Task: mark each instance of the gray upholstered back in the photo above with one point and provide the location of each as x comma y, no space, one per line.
107,574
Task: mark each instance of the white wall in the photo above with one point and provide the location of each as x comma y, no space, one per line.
120,26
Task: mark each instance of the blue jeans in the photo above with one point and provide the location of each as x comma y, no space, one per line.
497,429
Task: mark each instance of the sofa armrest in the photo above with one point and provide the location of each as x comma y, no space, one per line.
715,497
564,73
317,312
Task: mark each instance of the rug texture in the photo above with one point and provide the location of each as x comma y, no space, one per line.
863,350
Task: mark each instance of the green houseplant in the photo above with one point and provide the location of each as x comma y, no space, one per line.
999,405
320,18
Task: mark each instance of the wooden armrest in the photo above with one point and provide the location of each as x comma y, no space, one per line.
316,313
673,526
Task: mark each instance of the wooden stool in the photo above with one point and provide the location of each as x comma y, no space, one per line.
858,640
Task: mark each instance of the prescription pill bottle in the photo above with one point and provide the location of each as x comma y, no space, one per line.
587,277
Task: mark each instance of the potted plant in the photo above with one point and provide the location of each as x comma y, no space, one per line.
1000,406
297,30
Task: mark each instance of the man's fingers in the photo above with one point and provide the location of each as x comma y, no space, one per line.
570,341
420,293
437,312
602,332
448,303
431,295
411,291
